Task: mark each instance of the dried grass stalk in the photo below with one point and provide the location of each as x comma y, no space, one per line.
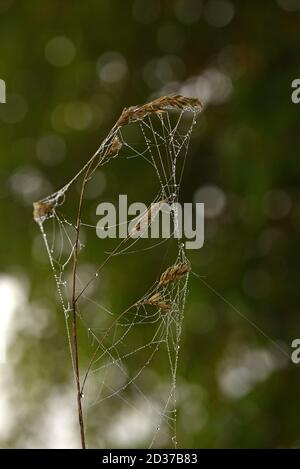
174,273
158,106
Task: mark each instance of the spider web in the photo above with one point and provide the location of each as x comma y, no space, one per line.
125,347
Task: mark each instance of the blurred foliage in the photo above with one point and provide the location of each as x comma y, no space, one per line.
70,68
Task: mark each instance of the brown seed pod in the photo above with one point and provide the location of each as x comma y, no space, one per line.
42,210
174,273
112,150
158,301
115,147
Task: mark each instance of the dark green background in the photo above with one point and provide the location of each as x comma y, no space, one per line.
247,145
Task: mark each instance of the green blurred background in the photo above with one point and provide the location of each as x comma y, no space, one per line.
70,68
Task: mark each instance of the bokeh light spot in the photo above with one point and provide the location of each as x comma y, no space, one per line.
78,115
213,198
60,51
28,183
289,5
112,67
218,13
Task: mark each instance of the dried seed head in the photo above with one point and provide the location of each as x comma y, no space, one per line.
158,106
111,151
158,301
174,273
146,219
163,306
42,210
115,147
154,298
